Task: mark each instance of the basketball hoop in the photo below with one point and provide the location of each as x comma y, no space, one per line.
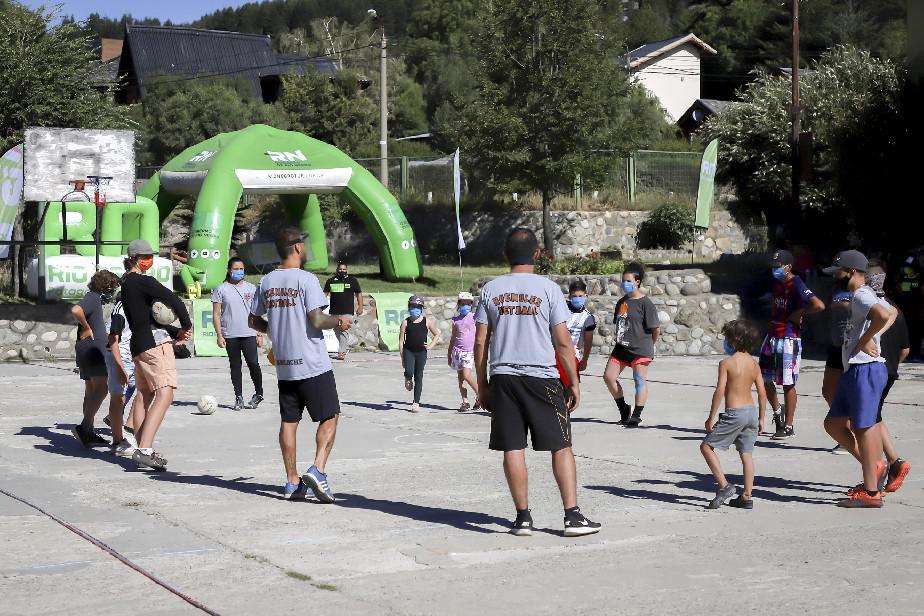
100,188
78,192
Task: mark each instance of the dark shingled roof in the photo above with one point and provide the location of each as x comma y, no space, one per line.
188,52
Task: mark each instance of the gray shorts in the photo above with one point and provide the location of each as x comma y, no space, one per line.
738,426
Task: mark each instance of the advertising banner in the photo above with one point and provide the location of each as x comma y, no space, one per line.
204,336
10,194
391,309
706,191
66,276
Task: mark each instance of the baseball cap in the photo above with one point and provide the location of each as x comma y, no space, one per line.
848,259
139,247
415,300
466,296
781,258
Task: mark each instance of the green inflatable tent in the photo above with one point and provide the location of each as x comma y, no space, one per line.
265,160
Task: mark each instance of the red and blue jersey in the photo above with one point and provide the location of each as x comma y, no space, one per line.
788,296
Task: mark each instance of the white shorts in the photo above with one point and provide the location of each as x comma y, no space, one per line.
112,373
461,360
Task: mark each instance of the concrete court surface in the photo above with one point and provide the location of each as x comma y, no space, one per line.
422,512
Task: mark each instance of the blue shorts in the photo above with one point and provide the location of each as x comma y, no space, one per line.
859,392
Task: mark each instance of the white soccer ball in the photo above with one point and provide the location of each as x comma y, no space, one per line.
207,405
162,313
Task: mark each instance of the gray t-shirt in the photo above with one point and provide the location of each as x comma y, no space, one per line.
286,296
92,305
634,320
520,309
861,302
235,303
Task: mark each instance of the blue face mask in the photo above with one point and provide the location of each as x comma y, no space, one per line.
464,309
237,275
628,286
578,302
415,312
729,349
779,273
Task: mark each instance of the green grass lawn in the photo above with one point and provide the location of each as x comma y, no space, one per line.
438,280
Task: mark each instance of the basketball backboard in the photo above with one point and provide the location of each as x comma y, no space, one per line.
53,157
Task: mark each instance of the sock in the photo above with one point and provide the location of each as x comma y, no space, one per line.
522,511
623,407
638,410
572,511
873,492
146,450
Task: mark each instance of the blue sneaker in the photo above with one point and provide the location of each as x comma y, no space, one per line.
317,481
293,491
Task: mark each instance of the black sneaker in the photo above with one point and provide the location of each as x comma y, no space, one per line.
634,420
784,434
523,525
779,421
255,401
238,403
88,438
576,525
739,502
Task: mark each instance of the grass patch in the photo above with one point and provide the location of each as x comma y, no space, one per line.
301,577
325,586
438,280
134,504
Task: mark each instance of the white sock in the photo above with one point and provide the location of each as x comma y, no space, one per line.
146,450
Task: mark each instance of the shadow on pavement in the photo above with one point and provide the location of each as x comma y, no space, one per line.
369,405
761,444
423,405
664,497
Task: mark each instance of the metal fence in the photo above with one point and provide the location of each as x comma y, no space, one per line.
423,178
647,172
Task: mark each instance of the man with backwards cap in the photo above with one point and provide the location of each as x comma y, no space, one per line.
859,390
782,348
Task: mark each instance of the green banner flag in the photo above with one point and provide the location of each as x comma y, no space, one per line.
706,193
391,309
10,194
204,336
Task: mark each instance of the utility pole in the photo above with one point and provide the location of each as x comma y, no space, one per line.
796,110
383,112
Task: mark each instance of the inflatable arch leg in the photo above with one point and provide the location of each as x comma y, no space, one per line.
129,220
80,226
305,212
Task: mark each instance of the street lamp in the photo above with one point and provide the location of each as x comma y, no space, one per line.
383,103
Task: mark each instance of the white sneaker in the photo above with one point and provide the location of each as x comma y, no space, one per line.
124,448
415,408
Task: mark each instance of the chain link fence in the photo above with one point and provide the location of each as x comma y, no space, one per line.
647,176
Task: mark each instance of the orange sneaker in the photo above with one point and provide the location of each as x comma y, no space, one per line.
882,475
861,500
897,478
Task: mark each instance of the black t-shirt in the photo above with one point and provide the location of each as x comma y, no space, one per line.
342,291
138,293
893,341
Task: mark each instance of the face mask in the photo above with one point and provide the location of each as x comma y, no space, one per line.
841,283
729,349
779,273
107,296
237,275
415,312
145,264
464,309
578,303
628,286
341,275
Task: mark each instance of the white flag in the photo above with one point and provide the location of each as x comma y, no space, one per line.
457,192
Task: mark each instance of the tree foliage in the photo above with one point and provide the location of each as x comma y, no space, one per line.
48,77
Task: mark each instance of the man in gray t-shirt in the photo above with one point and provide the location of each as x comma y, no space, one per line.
293,303
521,323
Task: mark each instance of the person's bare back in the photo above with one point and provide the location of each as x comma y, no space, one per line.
741,374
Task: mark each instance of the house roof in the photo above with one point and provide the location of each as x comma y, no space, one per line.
651,51
159,50
699,111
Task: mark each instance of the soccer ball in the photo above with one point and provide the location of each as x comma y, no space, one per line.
207,405
162,313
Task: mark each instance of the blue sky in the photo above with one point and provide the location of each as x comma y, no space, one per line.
177,11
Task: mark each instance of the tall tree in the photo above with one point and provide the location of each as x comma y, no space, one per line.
48,76
551,96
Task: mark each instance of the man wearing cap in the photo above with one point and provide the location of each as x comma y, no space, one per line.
346,299
151,348
859,390
461,356
782,348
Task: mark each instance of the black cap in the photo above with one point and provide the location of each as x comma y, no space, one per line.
781,258
848,259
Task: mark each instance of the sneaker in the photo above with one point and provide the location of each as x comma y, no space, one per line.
408,383
465,407
254,402
88,438
317,481
239,403
123,448
576,525
722,496
415,408
785,433
739,502
153,460
840,451
882,476
779,421
295,491
861,500
634,420
897,473
341,356
523,525
477,406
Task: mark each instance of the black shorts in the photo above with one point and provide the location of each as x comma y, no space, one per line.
834,359
318,394
90,359
885,392
528,403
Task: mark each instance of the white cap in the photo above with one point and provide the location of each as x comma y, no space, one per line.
465,295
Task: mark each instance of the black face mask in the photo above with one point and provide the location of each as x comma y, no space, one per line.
107,296
341,275
841,283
